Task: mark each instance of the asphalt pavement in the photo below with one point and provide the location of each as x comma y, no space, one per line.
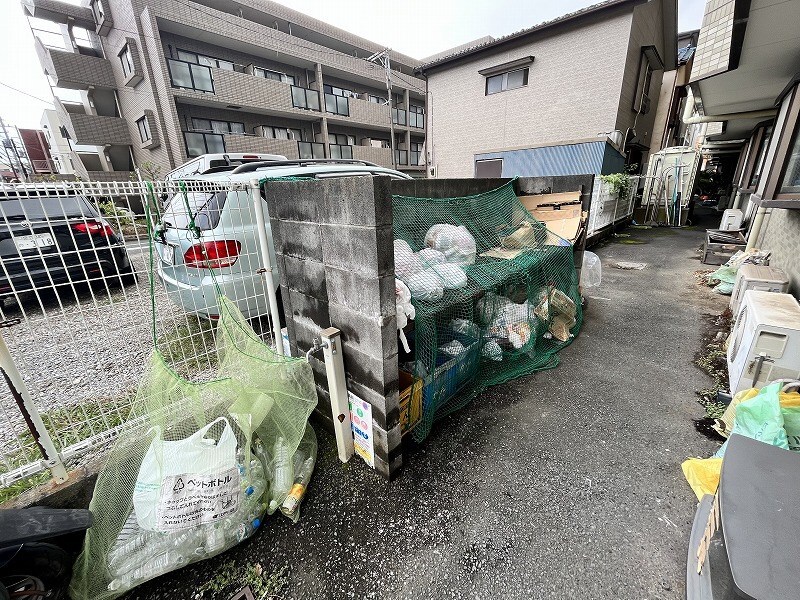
564,484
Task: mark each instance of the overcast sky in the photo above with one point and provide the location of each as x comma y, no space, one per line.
417,28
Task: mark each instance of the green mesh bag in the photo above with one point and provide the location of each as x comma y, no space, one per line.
199,463
495,294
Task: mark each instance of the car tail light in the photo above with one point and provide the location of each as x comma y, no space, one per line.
94,228
212,255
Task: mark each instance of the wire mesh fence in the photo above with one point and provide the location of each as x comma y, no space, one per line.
93,276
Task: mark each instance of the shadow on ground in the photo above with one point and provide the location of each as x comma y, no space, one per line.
564,484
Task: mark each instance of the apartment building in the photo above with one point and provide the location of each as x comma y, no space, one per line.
569,96
745,81
157,82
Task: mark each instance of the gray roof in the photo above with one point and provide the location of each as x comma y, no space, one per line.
489,42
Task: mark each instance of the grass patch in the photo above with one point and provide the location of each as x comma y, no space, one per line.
230,579
712,359
190,347
631,241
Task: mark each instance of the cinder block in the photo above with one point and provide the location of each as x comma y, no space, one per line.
358,201
368,295
299,239
309,310
351,247
306,276
295,200
373,335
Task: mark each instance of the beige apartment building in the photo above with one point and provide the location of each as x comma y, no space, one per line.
160,81
570,96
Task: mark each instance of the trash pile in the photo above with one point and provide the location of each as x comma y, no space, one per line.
724,278
204,465
493,295
770,415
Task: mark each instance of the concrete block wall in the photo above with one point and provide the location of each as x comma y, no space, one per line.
333,243
781,236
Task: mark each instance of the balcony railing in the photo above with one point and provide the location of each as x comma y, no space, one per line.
190,76
303,98
311,149
398,116
401,157
198,143
337,105
341,151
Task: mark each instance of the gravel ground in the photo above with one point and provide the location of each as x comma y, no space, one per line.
565,484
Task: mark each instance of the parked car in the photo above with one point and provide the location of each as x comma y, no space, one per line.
217,163
50,238
226,253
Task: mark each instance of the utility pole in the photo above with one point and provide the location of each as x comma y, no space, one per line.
383,58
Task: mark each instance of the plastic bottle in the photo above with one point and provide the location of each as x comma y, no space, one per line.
283,474
184,543
120,555
154,567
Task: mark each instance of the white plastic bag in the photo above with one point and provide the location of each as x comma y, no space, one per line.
406,263
455,242
452,276
426,286
591,271
430,257
405,310
185,483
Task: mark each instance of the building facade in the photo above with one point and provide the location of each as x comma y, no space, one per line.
161,81
745,81
570,96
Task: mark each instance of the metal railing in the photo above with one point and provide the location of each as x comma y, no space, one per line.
77,312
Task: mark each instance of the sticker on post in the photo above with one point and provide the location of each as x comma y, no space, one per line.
189,500
361,422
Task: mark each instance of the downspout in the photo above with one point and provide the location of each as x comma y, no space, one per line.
755,229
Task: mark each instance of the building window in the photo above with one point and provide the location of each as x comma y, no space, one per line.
376,143
339,91
510,80
790,184
341,151
377,99
98,11
758,166
203,143
127,61
282,133
491,167
274,75
401,157
207,61
398,116
416,116
649,63
303,98
217,126
144,129
337,100
416,154
190,76
311,150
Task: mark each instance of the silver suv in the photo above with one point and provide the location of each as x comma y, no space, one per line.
225,237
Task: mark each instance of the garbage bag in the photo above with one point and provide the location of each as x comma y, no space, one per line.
183,434
702,474
405,310
591,271
426,286
761,418
430,257
452,276
406,262
455,242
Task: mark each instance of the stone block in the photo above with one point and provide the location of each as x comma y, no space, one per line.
365,294
373,335
295,200
299,239
306,276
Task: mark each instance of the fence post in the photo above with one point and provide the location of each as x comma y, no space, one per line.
31,415
267,268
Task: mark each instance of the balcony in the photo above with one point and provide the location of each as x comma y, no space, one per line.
92,130
75,71
60,12
416,119
337,105
341,151
379,156
310,150
399,116
304,98
190,76
401,158
261,145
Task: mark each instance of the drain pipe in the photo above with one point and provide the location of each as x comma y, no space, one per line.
755,229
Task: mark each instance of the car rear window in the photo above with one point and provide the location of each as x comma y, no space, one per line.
44,208
205,206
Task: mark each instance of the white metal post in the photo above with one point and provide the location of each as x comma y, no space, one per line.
337,388
266,270
31,415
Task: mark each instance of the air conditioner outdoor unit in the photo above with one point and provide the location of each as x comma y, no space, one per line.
757,277
765,343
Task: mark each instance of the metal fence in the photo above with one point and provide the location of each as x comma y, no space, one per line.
92,277
609,207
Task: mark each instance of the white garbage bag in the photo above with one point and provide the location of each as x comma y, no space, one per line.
426,286
406,262
591,271
452,276
455,242
430,257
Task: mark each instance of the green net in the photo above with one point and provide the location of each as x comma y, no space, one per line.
203,458
495,295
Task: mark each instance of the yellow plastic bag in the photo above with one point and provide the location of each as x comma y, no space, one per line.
702,475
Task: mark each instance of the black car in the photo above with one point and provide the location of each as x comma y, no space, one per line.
51,238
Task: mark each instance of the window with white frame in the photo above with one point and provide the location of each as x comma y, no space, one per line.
127,61
510,80
217,126
144,129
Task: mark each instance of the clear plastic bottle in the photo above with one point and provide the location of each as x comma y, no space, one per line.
284,477
154,567
121,555
183,543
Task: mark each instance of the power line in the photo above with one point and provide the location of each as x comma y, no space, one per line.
11,87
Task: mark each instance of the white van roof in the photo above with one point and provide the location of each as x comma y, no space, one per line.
273,169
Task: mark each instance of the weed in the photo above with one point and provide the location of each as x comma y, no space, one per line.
228,580
712,359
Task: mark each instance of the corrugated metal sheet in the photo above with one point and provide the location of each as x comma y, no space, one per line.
568,159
